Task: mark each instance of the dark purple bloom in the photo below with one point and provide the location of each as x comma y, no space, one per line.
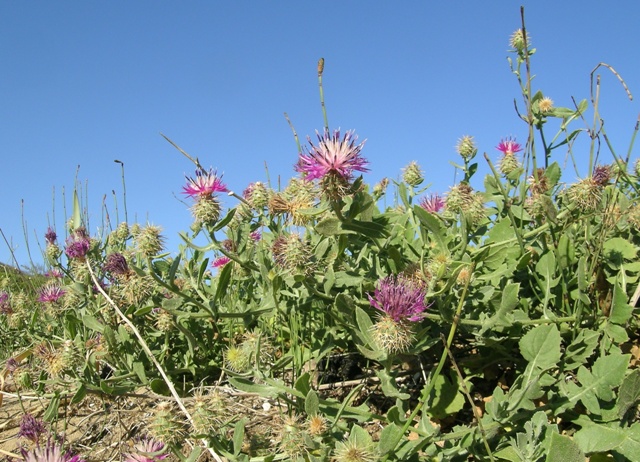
255,236
332,155
204,184
147,450
78,244
601,174
220,262
50,236
31,428
116,264
12,365
5,305
433,203
51,293
51,452
399,298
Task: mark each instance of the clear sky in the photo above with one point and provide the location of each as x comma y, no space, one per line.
84,83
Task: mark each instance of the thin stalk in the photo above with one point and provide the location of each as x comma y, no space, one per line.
151,356
466,393
295,134
324,109
124,191
26,237
192,159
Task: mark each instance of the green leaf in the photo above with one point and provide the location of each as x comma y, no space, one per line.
541,347
629,393
92,323
601,438
223,281
52,410
445,398
580,349
160,387
138,368
364,326
508,302
79,395
388,436
620,309
330,226
618,249
311,403
238,436
607,373
432,224
389,386
564,449
76,216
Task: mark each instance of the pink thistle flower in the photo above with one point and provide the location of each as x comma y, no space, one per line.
255,236
51,293
508,146
51,452
399,298
78,244
332,155
204,184
220,262
433,204
147,450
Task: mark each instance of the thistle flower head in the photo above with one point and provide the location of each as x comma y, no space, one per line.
399,298
466,147
50,293
413,174
291,253
77,244
149,241
220,262
517,41
257,195
601,174
204,184
545,105
116,265
332,154
433,203
50,236
509,146
50,452
147,450
31,428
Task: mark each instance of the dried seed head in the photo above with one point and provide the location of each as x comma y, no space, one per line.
545,105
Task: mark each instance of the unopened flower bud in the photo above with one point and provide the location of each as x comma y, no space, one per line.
413,174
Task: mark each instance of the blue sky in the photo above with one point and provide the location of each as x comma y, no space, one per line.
85,83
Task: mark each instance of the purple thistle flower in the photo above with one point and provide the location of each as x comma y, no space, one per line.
78,244
147,450
50,236
51,452
31,428
332,155
51,293
433,203
508,146
204,184
220,262
399,298
116,264
5,305
255,236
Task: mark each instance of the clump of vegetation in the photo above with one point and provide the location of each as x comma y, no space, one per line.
480,324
